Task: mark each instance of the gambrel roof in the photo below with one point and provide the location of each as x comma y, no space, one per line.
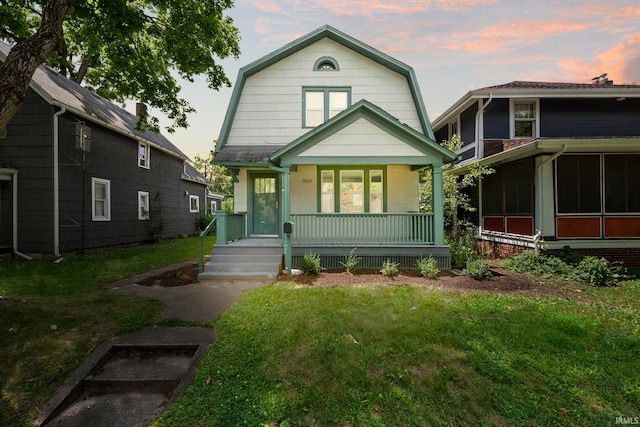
305,41
57,90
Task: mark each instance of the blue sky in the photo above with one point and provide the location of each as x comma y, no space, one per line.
453,46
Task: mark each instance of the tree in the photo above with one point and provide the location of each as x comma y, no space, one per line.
121,49
453,187
219,176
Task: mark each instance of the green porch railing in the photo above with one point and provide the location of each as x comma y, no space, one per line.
363,229
206,231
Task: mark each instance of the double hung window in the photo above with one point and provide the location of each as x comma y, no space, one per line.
143,205
524,119
321,104
143,155
100,199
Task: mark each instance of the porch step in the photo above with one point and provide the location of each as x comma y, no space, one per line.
243,264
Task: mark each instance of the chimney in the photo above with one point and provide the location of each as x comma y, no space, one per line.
141,108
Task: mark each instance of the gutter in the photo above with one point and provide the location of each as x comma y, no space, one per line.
479,139
15,218
56,182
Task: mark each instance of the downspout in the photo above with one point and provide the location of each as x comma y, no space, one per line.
56,184
15,218
538,237
288,258
479,139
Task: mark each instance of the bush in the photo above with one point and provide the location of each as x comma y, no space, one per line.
528,262
595,271
227,205
351,261
389,269
463,247
428,267
477,269
202,221
310,263
570,256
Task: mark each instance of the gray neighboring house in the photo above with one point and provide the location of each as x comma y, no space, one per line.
76,174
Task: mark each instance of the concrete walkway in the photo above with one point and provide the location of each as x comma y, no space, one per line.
129,380
201,302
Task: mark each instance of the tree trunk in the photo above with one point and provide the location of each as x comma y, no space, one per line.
17,69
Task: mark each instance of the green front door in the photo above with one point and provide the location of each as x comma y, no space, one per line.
264,204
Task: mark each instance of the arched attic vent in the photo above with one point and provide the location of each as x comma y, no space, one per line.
326,63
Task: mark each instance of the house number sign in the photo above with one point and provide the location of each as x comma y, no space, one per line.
307,180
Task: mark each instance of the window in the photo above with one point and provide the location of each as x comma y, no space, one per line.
194,204
143,155
327,188
375,191
321,104
212,207
578,183
524,123
453,129
622,183
326,63
100,199
351,190
143,205
509,191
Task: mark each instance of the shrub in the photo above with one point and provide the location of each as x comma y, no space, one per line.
202,221
227,205
477,269
310,263
528,262
595,271
428,267
463,247
389,269
351,261
570,256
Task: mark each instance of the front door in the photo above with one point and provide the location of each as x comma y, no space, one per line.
264,204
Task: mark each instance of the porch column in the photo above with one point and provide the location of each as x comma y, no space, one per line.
286,216
438,205
221,228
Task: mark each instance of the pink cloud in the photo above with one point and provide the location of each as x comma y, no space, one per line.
621,62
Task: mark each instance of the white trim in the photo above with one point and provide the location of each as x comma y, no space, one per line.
197,199
144,162
107,206
536,119
143,210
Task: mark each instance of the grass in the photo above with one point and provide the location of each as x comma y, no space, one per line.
287,355
53,315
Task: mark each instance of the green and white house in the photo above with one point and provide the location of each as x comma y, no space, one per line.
325,139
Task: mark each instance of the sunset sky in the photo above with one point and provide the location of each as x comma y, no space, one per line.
453,46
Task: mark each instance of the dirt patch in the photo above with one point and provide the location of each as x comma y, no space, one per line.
501,281
179,277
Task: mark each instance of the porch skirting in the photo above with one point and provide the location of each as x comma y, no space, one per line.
374,256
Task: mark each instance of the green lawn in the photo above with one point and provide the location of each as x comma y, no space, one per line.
53,315
287,355
297,355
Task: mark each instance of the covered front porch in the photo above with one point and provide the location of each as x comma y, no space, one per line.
400,237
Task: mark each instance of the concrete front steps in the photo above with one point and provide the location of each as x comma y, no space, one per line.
244,263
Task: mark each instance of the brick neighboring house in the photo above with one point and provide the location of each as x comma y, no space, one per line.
567,162
76,174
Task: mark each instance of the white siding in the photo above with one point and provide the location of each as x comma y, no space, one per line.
270,106
402,189
304,190
240,189
359,139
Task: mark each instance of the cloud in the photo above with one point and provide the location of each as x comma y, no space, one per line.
622,62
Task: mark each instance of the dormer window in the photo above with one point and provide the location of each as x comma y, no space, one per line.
326,63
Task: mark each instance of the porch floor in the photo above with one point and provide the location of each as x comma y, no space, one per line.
257,242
